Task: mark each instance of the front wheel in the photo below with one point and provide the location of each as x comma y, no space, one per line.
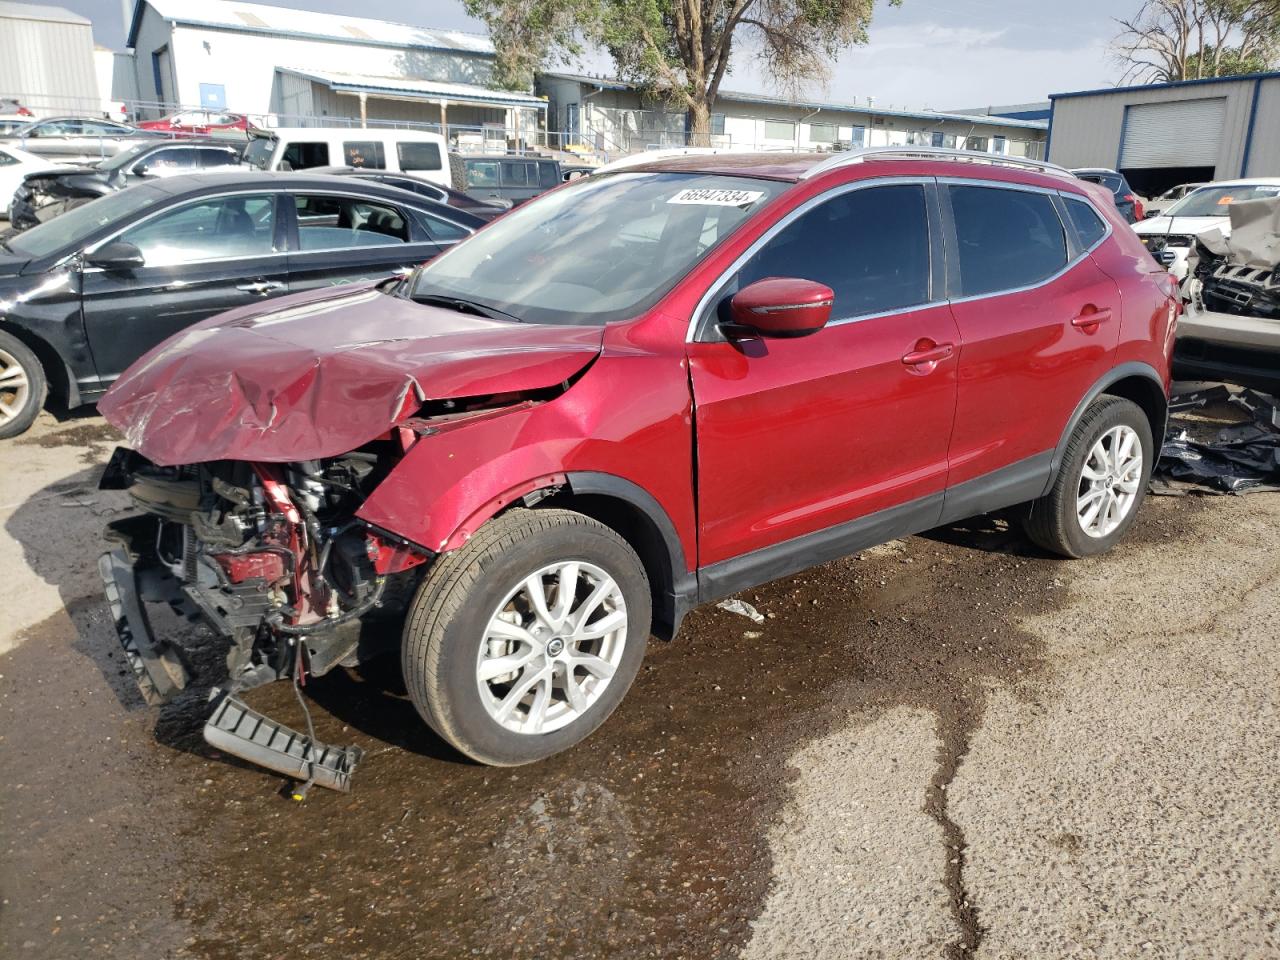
1101,483
520,643
22,386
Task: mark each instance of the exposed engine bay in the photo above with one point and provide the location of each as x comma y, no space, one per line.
272,557
1240,274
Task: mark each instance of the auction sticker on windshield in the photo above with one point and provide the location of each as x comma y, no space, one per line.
717,197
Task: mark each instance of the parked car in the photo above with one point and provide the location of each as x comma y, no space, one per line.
86,294
13,114
1127,201
485,210
43,196
302,148
1171,237
76,139
14,166
1158,205
514,179
797,387
200,123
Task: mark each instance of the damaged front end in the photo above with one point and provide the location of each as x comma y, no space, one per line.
274,559
43,196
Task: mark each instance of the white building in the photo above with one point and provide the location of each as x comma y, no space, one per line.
611,115
299,67
46,59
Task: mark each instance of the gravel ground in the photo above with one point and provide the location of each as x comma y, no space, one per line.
949,746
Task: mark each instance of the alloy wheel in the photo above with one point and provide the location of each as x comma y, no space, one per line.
1109,481
551,647
15,387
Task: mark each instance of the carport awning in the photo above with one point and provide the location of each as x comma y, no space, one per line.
428,91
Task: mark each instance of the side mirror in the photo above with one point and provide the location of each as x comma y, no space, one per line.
116,255
141,169
779,307
1151,214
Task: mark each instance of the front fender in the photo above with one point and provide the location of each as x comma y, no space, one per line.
449,483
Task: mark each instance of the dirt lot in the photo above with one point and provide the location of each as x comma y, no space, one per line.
949,746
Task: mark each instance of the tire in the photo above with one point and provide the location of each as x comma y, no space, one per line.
447,636
23,386
1055,521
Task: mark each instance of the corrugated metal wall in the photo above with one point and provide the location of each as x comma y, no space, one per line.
1087,130
48,64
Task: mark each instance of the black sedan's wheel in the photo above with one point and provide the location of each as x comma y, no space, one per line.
22,386
522,642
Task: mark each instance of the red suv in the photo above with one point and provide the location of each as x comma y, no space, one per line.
644,391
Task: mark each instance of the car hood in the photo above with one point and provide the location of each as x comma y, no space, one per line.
11,265
318,374
1184,225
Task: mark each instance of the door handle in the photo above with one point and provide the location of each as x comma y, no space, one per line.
261,286
927,354
1090,318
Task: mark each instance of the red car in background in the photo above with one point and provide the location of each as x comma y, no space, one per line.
643,391
199,123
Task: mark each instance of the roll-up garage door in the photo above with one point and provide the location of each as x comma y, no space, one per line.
1186,133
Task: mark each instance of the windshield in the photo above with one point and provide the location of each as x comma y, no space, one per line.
601,249
78,224
124,157
258,152
1214,201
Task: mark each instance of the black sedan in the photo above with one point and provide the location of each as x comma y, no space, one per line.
45,195
86,294
484,209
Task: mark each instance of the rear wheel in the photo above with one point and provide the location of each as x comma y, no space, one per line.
22,386
1101,482
521,643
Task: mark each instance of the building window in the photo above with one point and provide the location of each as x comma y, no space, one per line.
780,130
999,145
976,143
858,137
159,60
939,139
717,124
822,133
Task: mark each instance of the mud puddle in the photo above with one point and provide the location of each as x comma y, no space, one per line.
647,841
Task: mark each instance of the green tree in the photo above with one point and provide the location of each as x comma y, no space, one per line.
676,50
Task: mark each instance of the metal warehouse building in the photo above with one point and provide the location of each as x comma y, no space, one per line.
1165,134
46,57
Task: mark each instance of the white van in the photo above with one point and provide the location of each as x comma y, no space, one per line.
297,148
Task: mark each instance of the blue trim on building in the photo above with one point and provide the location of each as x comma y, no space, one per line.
1165,86
1048,137
1124,124
1253,119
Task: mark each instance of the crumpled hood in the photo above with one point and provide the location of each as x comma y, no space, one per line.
1186,226
318,374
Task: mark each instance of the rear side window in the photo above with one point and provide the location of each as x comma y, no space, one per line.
365,153
338,223
300,156
515,174
1008,238
870,246
1089,226
419,156
218,158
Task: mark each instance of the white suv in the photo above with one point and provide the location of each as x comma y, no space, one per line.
1171,236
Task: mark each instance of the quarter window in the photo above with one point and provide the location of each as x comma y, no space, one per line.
338,223
870,246
365,153
7,159
1089,226
418,156
1008,238
207,230
301,156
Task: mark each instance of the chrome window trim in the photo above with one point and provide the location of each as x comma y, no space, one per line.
691,333
249,191
1071,263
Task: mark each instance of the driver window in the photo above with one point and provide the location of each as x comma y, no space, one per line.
870,246
207,230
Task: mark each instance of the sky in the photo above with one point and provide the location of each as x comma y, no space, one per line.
942,54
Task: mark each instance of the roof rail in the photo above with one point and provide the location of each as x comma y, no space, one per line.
848,157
